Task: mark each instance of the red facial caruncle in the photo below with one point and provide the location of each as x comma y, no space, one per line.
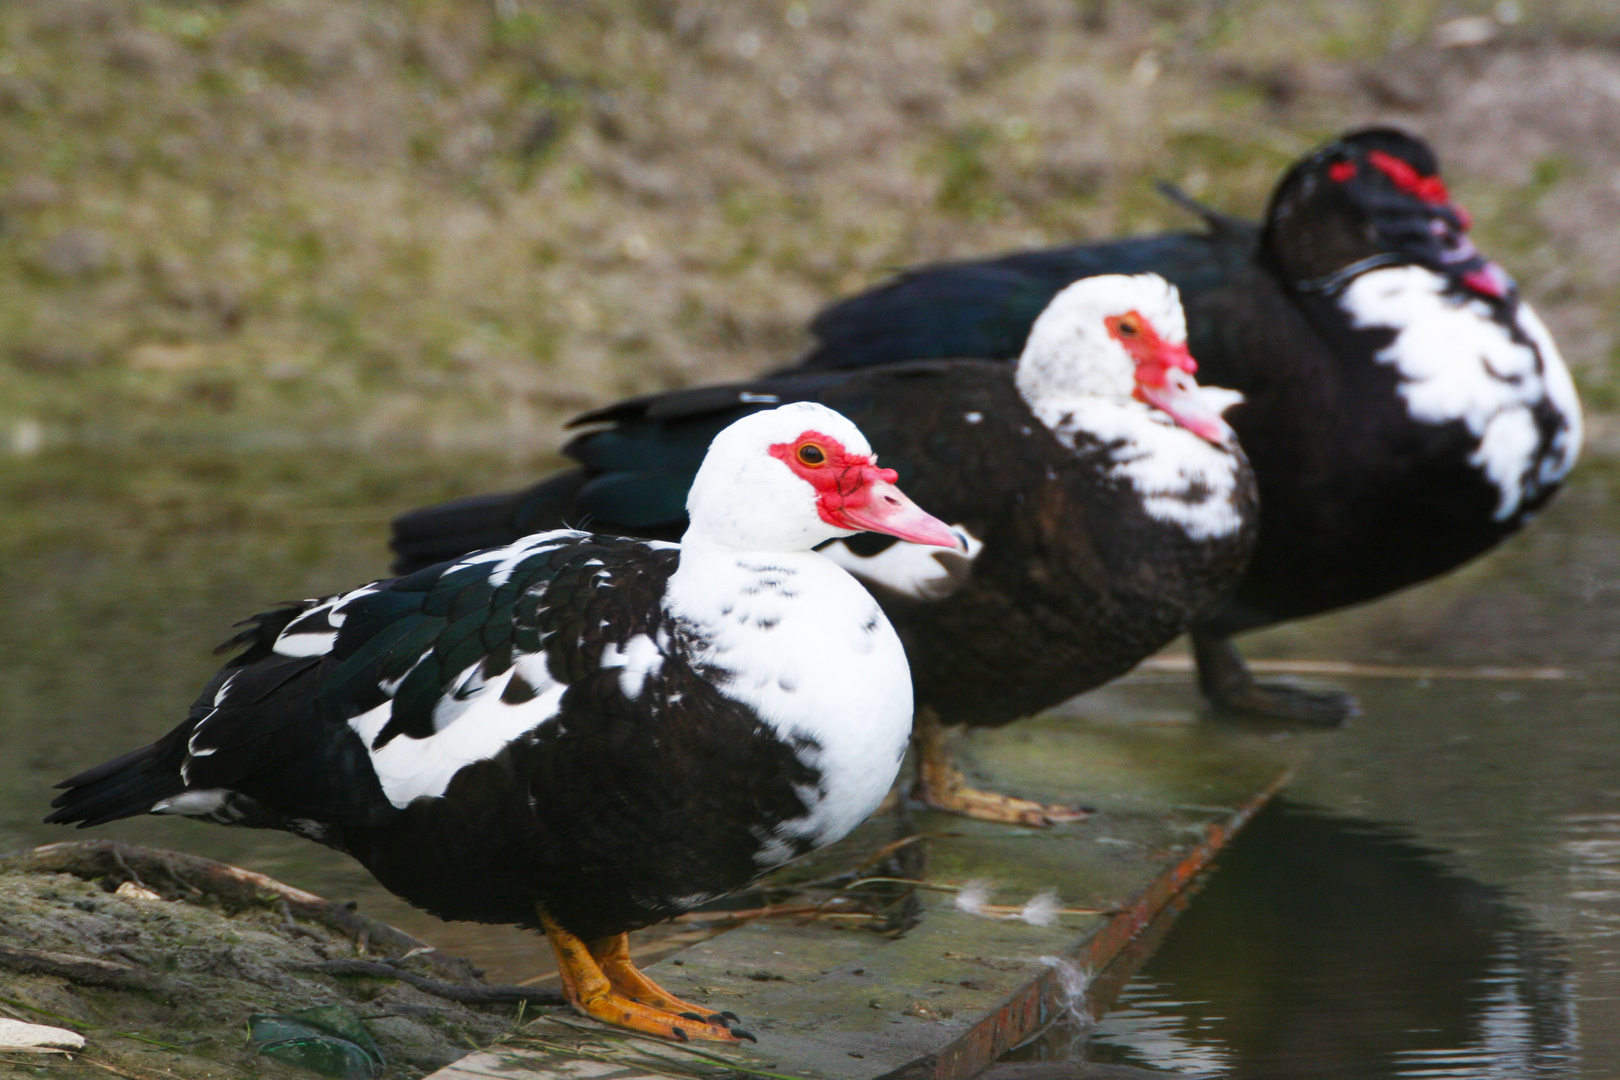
1428,189
1449,225
853,493
1164,377
1154,356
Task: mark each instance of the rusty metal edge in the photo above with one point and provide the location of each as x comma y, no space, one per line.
1037,1005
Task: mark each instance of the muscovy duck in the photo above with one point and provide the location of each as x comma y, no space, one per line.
1102,499
582,733
1405,410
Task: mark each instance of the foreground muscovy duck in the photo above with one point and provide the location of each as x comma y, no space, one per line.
584,733
1405,409
1102,500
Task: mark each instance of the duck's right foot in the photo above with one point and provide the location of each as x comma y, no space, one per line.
602,984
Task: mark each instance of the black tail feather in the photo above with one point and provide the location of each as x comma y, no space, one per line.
120,788
434,534
1217,221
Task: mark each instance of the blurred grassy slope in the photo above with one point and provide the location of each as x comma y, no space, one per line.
450,223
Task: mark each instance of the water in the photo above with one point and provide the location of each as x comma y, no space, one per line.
1331,947
1439,896
120,573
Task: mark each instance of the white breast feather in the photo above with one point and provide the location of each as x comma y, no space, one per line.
914,570
1183,479
1457,364
811,653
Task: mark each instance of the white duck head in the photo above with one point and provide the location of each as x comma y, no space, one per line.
789,478
1121,336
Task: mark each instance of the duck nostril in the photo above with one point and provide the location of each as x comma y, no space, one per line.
892,500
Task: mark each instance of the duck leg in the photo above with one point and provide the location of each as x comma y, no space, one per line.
941,785
1230,686
612,954
590,990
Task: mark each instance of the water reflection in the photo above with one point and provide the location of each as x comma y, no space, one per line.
1326,946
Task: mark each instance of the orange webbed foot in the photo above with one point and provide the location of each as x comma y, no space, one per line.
599,981
941,786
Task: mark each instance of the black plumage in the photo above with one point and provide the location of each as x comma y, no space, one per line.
607,814
1076,581
1359,495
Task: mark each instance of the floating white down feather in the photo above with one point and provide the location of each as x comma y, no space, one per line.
1457,363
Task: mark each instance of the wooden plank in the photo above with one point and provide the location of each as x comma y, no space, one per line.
830,1000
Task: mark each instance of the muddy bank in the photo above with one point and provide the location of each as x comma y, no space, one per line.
159,959
455,222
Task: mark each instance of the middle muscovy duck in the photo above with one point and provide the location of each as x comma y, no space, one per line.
583,733
1102,500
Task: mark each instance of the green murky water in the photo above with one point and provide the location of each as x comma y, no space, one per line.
1439,894
120,575
1439,898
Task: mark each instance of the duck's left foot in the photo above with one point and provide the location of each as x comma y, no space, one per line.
941,786
1230,686
984,805
1326,708
599,981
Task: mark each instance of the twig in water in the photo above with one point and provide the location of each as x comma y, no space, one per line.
1181,664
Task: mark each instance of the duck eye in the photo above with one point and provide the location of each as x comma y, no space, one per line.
812,455
1128,327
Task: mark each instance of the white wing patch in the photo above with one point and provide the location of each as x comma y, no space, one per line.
315,631
477,729
914,570
507,558
637,659
1182,479
1458,364
199,803
470,721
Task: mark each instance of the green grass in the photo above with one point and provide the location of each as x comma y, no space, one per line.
454,221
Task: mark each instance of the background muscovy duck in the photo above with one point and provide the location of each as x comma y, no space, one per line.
585,733
1405,409
1102,499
